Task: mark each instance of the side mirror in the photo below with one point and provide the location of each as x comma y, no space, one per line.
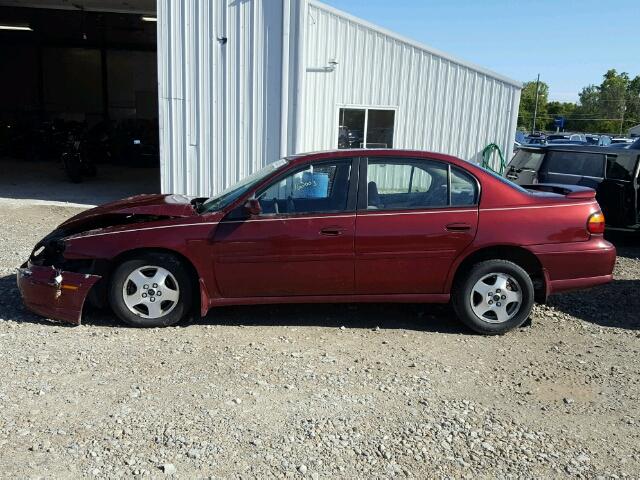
253,207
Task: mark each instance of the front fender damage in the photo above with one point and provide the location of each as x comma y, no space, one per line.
53,293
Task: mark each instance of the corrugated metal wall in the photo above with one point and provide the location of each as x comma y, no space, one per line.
228,68
442,104
220,80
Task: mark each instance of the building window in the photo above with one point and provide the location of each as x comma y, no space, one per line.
366,128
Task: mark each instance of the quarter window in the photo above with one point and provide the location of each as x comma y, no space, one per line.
314,189
464,188
400,185
621,167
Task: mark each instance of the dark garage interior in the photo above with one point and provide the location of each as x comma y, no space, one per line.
78,102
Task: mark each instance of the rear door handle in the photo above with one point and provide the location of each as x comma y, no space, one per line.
332,231
458,227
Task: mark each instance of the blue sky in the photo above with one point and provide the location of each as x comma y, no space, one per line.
570,43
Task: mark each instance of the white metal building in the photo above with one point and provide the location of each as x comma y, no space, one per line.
634,131
242,83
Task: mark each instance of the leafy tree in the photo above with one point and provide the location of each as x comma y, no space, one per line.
528,103
560,109
611,107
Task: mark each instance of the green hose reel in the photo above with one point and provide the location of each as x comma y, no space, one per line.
487,158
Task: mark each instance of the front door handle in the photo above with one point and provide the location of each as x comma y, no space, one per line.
458,227
332,231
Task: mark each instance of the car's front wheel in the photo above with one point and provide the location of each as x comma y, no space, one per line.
493,297
152,290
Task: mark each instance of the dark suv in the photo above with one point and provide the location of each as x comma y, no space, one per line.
613,173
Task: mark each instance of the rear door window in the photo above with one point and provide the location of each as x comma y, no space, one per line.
576,163
403,184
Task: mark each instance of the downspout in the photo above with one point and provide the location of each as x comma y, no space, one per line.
285,87
299,65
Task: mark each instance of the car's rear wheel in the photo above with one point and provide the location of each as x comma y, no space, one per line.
493,297
152,290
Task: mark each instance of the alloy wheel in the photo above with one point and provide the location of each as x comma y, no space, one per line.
496,298
151,292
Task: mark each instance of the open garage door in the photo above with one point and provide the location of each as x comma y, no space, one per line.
78,100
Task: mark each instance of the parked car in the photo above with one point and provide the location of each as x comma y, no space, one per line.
560,141
623,145
612,172
344,226
600,140
536,139
621,140
572,137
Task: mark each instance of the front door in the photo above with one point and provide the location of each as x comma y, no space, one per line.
414,218
301,244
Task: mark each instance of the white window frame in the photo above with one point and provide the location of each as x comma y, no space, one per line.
366,109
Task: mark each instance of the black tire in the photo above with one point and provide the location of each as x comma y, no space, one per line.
181,277
462,300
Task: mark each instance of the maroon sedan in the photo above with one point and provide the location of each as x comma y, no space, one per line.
343,226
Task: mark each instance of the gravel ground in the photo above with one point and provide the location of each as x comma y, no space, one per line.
319,391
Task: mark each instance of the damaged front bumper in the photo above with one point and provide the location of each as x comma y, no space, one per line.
53,293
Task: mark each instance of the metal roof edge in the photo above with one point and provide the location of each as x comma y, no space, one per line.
414,43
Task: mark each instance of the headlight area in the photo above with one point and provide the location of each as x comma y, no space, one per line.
49,252
57,287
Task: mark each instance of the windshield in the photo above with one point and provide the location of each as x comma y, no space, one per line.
232,193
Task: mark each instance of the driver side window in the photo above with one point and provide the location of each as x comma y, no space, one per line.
316,188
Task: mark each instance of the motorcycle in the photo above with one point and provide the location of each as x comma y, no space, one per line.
77,159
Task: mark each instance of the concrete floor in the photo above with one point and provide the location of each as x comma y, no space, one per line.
46,182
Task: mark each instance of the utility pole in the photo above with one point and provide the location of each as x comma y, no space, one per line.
624,108
535,111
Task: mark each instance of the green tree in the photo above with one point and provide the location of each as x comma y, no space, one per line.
528,103
611,107
588,111
560,109
613,100
632,113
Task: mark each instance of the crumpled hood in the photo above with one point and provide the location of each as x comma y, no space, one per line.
143,206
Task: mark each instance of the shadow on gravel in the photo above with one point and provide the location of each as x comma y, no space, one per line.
428,318
616,304
627,244
432,318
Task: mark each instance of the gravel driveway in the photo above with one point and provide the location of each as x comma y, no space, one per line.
319,391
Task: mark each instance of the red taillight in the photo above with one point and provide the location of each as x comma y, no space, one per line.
595,224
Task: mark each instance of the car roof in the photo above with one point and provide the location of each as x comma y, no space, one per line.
372,152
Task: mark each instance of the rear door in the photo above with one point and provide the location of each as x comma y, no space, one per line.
618,193
414,218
